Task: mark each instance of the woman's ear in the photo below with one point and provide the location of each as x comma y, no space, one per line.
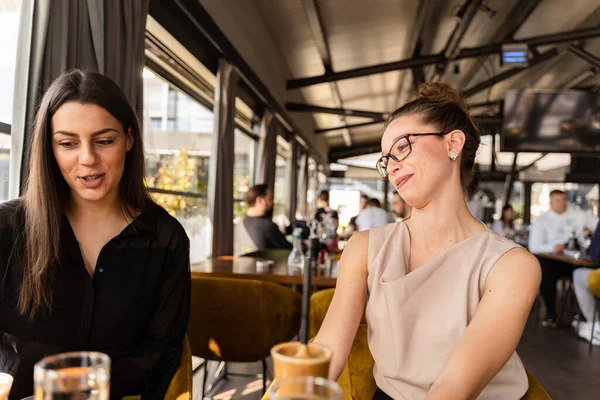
129,139
456,141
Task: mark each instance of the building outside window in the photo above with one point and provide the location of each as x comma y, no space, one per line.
9,29
243,171
178,137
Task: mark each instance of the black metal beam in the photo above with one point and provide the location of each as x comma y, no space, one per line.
531,164
517,17
337,128
585,55
509,73
418,73
511,179
485,104
468,12
315,24
338,153
337,111
485,50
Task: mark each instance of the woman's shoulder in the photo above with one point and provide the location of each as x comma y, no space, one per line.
12,214
169,230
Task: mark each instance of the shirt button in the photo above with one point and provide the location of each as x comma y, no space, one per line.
101,269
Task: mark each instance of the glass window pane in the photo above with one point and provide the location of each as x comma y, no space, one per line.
178,141
281,187
243,171
9,29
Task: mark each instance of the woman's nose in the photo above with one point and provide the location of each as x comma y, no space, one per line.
88,155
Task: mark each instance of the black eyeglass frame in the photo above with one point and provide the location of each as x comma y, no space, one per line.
383,172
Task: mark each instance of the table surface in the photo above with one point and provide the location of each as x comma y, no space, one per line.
577,262
245,268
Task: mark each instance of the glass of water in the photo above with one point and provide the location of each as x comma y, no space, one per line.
305,388
6,381
72,376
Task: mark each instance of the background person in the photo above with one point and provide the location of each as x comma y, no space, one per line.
505,226
259,220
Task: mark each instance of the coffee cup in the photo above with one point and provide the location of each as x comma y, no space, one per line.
292,359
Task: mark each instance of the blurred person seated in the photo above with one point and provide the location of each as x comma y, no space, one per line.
505,226
364,199
549,234
438,285
259,220
323,213
88,261
372,216
585,298
399,208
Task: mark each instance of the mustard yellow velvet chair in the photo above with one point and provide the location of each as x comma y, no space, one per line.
594,285
239,320
357,381
181,387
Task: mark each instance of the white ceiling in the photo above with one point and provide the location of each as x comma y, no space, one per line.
363,33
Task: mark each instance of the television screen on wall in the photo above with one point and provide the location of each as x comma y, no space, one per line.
566,121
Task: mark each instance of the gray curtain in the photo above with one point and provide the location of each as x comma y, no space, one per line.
292,176
267,150
220,178
303,186
105,36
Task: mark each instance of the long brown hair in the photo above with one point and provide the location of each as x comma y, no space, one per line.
47,191
441,105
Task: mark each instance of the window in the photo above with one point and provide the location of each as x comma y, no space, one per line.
243,171
178,158
280,212
9,29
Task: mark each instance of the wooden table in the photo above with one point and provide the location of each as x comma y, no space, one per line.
245,268
575,262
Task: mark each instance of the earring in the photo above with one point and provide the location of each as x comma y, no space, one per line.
453,155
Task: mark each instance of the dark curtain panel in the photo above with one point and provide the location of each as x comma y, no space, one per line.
220,181
105,36
267,150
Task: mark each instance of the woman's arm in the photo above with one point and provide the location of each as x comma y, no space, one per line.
154,361
492,336
346,309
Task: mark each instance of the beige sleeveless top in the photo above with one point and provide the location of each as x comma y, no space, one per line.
416,319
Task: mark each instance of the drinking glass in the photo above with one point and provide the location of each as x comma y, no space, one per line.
305,388
72,376
6,381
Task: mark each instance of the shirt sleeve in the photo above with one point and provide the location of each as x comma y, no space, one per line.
595,246
149,370
276,239
538,242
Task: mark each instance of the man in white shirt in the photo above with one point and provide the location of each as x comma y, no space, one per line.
548,235
372,216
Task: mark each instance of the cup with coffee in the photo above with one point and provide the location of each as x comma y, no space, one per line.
293,359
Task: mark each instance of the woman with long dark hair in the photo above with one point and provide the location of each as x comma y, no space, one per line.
505,226
446,299
87,260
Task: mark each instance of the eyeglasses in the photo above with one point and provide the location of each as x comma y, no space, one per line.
400,149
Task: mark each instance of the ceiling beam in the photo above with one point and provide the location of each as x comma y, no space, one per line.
465,18
584,55
423,60
317,28
337,111
338,153
509,73
337,128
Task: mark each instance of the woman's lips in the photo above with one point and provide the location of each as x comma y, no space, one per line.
92,181
402,180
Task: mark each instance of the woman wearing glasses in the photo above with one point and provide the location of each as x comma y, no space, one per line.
447,298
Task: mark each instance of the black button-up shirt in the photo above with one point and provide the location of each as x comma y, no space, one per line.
135,308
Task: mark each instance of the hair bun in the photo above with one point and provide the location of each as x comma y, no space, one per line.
442,93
